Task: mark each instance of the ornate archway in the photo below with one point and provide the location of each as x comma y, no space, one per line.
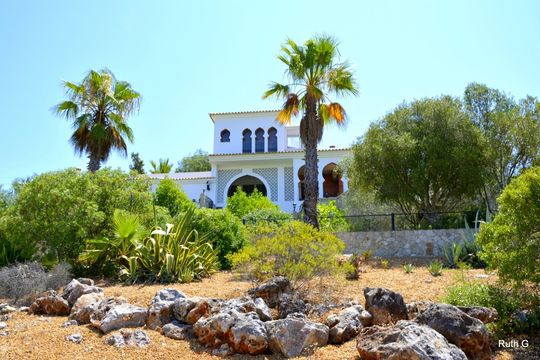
248,184
332,185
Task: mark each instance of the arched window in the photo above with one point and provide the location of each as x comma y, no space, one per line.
225,136
272,139
246,141
259,140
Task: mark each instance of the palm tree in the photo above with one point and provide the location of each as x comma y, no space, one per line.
313,72
99,107
162,167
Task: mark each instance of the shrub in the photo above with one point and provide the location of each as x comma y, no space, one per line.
271,215
505,300
385,264
169,195
297,251
223,230
435,268
331,218
172,255
57,211
510,243
408,268
241,204
26,280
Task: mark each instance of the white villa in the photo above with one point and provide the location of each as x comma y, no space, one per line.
252,150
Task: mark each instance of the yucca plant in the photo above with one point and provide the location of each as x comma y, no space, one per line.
408,268
435,268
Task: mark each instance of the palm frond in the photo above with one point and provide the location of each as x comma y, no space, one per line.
289,109
277,90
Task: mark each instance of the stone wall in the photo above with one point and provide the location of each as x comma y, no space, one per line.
401,243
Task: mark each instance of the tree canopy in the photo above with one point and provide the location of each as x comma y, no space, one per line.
198,161
424,156
137,164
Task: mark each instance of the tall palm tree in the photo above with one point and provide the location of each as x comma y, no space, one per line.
314,72
99,107
161,167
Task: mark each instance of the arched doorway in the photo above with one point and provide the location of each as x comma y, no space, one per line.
301,184
332,185
248,184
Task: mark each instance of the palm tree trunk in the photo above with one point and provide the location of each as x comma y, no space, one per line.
94,163
311,173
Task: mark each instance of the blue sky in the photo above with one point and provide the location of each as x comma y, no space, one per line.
191,58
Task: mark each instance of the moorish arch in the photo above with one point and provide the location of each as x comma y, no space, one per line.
332,185
248,184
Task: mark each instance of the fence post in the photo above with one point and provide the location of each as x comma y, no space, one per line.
393,221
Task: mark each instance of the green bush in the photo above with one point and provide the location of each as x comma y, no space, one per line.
56,211
331,218
435,268
511,241
241,204
223,230
169,195
271,215
505,300
297,251
177,254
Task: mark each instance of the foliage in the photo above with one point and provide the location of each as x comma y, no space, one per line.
57,211
314,72
354,267
223,230
297,250
512,131
435,268
23,281
357,203
273,215
12,252
163,166
99,107
177,254
453,255
385,264
169,195
511,242
331,218
408,268
241,204
137,164
198,161
506,301
367,255
425,156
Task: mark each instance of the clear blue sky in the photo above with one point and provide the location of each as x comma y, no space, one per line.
189,58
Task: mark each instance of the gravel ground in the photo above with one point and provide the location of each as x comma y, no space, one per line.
35,337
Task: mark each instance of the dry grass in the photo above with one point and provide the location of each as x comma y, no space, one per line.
33,337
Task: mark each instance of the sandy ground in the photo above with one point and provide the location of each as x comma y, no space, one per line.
37,337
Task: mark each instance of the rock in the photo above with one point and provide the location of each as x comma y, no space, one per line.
405,340
50,304
159,314
6,309
4,333
86,281
104,307
128,338
245,305
385,305
289,304
181,308
121,316
85,306
460,329
271,290
70,323
75,338
223,350
177,331
203,308
523,317
347,325
243,332
75,290
415,308
24,308
167,295
291,336
484,314
3,325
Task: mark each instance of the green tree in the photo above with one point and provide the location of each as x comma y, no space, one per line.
512,131
426,156
170,195
198,161
511,242
163,166
99,107
314,72
331,218
136,163
242,204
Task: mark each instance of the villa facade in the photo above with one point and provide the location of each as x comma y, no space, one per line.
253,151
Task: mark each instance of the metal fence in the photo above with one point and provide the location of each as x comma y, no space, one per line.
389,221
